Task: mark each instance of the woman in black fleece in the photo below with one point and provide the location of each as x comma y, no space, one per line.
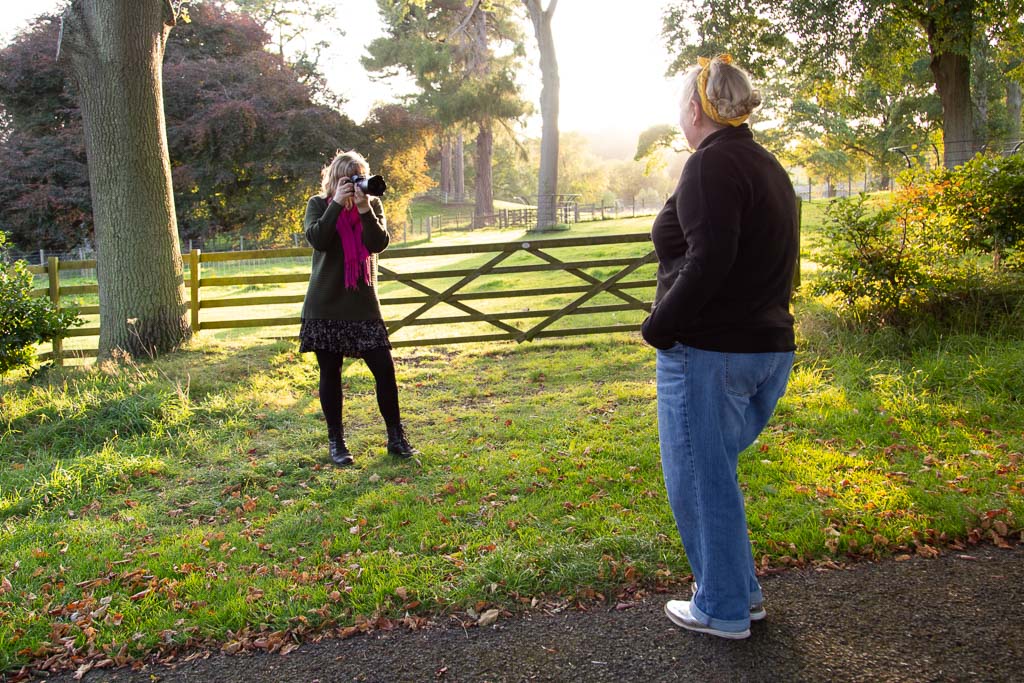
341,313
727,245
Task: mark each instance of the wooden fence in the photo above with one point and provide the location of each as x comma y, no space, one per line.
450,301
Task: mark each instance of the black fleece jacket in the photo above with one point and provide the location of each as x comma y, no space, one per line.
727,247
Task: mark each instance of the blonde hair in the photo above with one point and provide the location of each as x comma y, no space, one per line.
729,90
344,165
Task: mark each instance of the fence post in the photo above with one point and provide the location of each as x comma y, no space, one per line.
194,277
53,271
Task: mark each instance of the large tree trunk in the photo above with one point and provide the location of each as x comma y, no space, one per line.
980,67
115,49
547,185
479,64
483,212
953,82
1013,108
949,41
459,159
446,167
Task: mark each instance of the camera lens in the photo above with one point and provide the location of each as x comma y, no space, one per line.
373,186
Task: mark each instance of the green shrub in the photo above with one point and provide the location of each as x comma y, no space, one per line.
983,199
884,260
25,320
940,243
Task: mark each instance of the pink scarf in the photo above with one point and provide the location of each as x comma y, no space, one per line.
357,258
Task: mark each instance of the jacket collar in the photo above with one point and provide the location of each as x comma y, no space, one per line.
740,132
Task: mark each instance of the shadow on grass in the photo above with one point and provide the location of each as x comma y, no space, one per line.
82,425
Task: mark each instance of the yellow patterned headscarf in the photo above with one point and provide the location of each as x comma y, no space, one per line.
702,90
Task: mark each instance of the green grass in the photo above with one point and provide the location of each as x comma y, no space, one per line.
187,500
463,212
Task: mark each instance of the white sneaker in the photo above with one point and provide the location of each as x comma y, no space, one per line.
678,611
757,611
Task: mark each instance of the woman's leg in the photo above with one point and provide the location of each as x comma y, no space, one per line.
331,404
702,402
758,411
383,369
330,389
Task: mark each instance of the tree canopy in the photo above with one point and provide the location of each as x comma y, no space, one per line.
868,74
246,138
462,55
247,134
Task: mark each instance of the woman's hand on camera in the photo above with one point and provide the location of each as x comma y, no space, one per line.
343,193
362,200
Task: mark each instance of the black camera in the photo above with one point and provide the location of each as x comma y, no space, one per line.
373,186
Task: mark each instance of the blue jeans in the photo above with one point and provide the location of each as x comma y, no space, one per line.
712,406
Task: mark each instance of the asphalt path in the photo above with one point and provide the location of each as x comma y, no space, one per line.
957,617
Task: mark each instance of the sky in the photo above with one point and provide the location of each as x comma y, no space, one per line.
611,61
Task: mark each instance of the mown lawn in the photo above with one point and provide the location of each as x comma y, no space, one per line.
182,502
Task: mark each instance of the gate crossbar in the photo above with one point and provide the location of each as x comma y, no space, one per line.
596,289
446,297
449,296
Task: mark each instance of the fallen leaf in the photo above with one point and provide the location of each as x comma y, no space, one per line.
141,594
489,617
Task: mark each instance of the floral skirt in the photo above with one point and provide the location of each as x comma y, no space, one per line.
350,338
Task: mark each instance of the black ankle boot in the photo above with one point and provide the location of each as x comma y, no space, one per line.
337,450
398,445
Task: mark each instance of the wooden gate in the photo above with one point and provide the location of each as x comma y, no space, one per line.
584,288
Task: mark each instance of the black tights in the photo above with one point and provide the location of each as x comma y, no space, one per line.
383,369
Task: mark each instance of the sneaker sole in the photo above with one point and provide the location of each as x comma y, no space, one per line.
757,613
700,628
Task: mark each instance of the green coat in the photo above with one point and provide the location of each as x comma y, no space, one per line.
326,296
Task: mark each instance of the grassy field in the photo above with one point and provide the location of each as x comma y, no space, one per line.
186,502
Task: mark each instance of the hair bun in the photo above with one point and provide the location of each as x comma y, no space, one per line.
731,109
730,91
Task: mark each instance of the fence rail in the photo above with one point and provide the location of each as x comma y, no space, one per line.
527,217
440,297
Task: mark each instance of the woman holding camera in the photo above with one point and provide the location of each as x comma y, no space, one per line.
341,314
727,244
